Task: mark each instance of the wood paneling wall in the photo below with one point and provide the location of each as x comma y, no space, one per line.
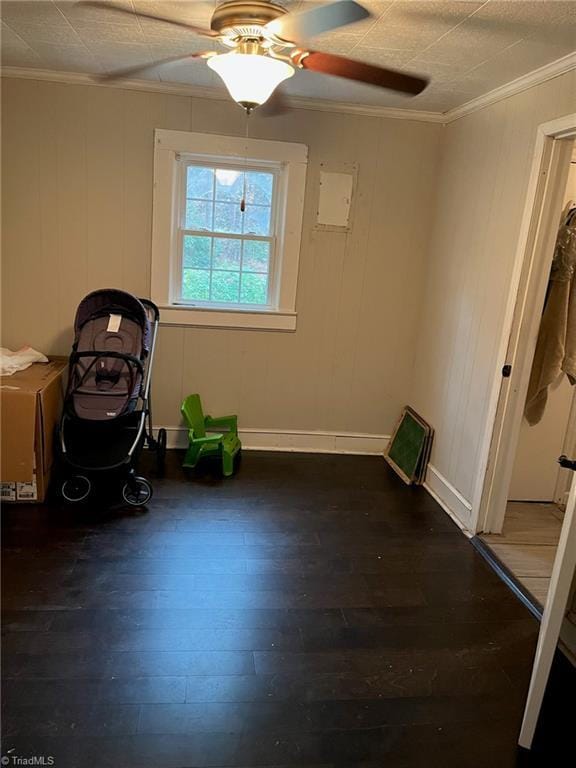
483,178
77,197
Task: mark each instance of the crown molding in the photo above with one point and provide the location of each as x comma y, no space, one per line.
523,83
203,92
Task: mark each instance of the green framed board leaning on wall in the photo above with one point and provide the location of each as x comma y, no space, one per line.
409,448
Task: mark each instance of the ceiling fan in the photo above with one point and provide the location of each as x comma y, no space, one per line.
266,48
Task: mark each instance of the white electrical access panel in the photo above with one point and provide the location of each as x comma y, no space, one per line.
336,190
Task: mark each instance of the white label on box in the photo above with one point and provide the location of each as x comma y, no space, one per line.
8,491
26,491
114,323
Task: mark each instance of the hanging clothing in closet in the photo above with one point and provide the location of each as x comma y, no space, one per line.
556,346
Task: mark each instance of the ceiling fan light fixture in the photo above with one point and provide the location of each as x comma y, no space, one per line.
264,37
250,78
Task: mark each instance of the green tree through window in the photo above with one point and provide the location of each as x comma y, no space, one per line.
227,238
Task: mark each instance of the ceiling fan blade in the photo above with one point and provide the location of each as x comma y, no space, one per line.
142,14
120,74
301,26
330,64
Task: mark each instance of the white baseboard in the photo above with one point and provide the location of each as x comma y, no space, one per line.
449,498
300,441
296,441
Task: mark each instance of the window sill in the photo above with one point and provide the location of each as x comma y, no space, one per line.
273,320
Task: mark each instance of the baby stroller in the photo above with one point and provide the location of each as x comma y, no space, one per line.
107,415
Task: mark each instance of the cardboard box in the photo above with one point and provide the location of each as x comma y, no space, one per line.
30,404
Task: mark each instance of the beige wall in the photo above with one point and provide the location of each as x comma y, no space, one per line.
77,191
486,160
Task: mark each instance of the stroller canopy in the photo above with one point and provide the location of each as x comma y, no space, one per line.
112,301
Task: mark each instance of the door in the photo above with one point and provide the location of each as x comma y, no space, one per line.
536,470
554,614
564,479
536,475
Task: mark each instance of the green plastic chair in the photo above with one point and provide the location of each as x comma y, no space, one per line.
224,443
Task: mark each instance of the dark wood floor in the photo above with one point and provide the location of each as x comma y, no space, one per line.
311,611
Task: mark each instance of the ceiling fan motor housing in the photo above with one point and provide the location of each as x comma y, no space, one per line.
239,18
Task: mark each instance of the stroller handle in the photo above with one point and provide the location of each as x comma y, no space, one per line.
151,309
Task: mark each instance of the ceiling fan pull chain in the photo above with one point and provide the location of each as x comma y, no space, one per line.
243,201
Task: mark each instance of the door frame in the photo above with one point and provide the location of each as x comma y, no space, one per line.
539,227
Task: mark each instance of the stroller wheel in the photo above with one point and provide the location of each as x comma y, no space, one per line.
161,450
137,491
76,488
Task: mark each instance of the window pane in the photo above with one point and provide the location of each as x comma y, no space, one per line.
259,187
200,182
196,252
198,215
254,288
196,284
229,184
225,286
228,217
226,253
257,220
256,256
230,269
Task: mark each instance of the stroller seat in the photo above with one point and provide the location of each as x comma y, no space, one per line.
106,384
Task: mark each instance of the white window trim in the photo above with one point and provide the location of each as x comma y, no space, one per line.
168,145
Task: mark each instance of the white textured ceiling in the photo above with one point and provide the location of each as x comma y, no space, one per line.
466,47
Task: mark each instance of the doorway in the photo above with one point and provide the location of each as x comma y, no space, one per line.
525,490
555,605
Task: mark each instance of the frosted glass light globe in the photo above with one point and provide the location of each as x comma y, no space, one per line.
250,78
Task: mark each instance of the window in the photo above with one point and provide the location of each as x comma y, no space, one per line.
227,223
226,237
